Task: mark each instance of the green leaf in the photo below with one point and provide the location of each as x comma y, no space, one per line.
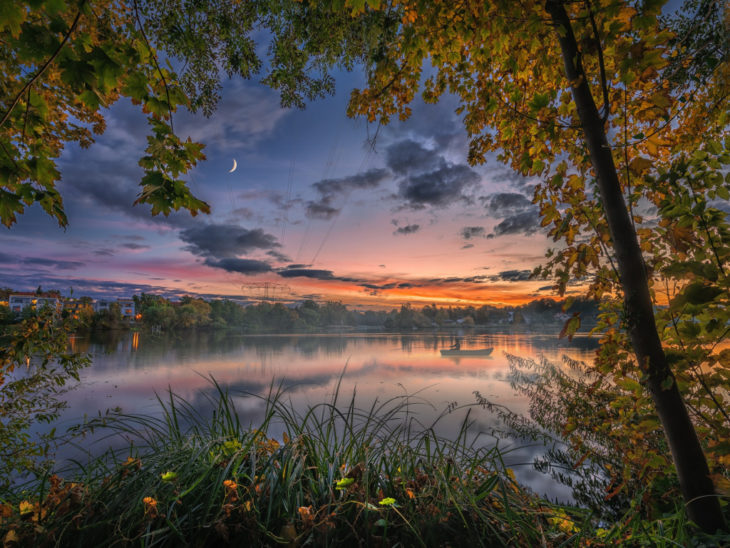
55,6
12,16
701,293
539,100
10,204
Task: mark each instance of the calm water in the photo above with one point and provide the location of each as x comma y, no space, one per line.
127,369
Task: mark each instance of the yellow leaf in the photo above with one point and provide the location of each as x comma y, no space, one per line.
639,165
11,538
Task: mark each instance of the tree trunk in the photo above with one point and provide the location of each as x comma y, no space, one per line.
703,505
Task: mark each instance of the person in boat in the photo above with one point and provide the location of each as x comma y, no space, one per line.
456,345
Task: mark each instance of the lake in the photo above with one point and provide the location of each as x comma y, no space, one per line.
128,368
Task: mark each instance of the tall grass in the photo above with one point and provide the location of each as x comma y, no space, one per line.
339,475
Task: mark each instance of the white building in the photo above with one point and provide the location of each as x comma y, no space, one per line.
126,307
20,301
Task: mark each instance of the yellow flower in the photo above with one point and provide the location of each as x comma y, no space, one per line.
230,484
231,446
563,522
387,501
344,483
168,476
25,508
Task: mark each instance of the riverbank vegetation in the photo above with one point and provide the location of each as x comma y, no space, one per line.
326,476
154,312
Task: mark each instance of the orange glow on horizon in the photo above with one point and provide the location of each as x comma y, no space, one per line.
497,294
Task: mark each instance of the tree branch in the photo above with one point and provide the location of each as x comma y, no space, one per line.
157,66
43,68
601,66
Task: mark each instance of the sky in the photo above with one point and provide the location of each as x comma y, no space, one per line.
314,210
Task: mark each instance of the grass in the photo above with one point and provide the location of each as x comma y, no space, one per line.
338,476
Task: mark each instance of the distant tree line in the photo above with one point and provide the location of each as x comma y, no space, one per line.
160,314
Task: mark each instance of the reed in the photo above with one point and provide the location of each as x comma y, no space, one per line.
333,475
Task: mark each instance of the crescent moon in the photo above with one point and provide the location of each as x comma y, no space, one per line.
235,165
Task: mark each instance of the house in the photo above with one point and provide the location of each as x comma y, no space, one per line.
101,305
126,307
20,301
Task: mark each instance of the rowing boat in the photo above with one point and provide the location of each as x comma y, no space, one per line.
461,352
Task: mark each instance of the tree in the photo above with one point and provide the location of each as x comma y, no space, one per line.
59,66
35,370
528,75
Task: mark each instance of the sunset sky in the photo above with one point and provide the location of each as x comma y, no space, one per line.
312,211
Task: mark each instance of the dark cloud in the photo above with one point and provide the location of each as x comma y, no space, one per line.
321,209
83,286
375,288
134,247
407,229
469,232
522,223
242,266
438,123
307,273
314,273
511,276
330,189
519,215
278,256
515,178
506,204
222,241
117,192
457,279
50,263
440,187
391,285
409,156
370,179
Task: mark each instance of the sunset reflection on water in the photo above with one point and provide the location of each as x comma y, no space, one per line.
128,369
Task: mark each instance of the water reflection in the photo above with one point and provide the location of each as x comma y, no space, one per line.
128,368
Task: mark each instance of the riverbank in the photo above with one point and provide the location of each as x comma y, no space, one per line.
336,475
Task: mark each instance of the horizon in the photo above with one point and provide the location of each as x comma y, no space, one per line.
245,301
335,218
